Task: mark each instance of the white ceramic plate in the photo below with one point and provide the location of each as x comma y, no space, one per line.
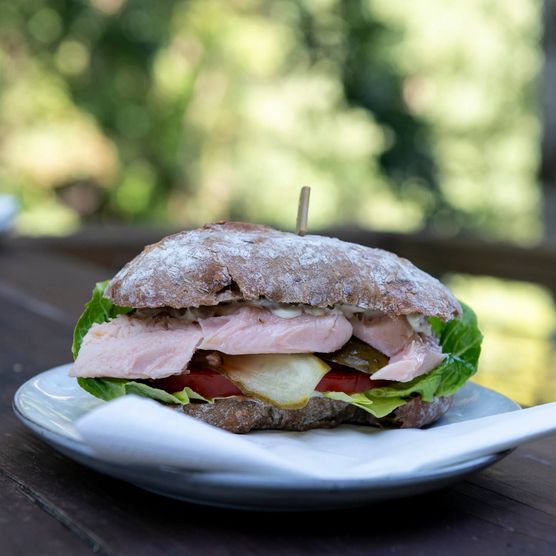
51,402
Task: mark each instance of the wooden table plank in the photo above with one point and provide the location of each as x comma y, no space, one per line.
510,508
48,283
39,533
527,477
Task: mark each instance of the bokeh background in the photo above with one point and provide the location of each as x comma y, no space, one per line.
428,119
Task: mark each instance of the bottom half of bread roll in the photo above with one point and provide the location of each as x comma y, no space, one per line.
241,415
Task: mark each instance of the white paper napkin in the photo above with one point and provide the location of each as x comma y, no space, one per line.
137,431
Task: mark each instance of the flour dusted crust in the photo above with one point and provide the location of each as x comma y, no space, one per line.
233,261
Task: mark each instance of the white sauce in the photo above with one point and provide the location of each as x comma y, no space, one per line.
287,312
418,322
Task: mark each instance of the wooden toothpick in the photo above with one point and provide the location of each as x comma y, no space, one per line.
303,210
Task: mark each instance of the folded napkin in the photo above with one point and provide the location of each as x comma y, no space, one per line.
137,431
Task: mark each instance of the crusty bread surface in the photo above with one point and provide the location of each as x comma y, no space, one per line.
233,261
241,415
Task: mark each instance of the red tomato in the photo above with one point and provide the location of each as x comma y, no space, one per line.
347,381
206,382
211,384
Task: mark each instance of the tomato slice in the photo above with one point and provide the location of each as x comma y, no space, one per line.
206,382
350,382
211,384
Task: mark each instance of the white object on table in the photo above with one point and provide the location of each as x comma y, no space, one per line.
8,211
133,430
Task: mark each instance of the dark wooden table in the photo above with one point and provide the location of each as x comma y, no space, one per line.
51,505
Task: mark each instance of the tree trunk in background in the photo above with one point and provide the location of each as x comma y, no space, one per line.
548,99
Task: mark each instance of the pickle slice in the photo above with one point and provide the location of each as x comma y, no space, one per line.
357,355
284,380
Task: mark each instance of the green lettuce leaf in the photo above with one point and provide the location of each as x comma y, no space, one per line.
98,310
460,340
110,388
379,407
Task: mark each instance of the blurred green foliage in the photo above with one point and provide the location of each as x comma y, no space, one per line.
192,110
400,115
